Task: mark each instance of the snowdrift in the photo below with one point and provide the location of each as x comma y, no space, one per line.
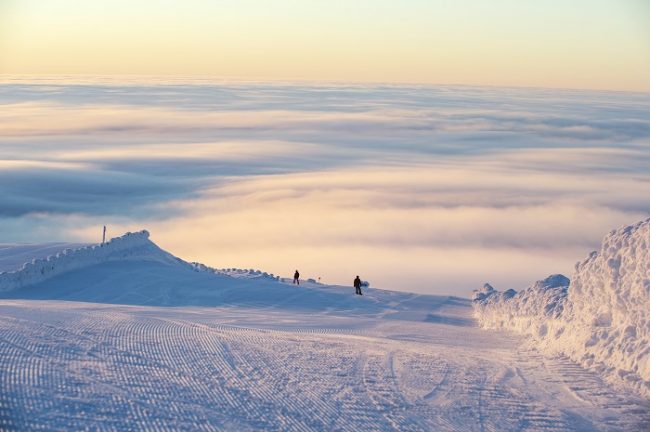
235,272
600,319
127,247
13,256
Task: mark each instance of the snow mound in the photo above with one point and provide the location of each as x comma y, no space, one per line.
600,319
127,247
235,272
13,256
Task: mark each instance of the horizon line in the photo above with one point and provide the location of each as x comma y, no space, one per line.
212,79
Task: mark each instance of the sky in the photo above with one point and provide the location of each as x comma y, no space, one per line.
430,189
599,44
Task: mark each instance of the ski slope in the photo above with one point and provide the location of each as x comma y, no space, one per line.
139,339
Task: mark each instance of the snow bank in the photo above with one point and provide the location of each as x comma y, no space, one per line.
529,310
235,272
129,246
601,319
13,256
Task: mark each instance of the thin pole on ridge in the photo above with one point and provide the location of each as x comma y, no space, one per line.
104,235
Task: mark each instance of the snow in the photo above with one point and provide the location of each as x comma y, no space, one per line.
131,338
600,319
131,246
236,272
13,256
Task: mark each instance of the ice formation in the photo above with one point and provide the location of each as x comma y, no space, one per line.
600,319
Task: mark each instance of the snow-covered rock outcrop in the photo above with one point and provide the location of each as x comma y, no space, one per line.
129,246
601,319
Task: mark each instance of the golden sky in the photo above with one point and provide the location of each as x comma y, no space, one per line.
602,44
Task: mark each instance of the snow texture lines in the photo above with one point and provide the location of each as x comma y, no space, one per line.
126,336
76,366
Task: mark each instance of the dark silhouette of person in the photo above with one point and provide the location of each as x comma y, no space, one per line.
357,285
296,278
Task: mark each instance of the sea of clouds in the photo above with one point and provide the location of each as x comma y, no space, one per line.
419,188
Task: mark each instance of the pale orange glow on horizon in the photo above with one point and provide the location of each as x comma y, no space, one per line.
597,44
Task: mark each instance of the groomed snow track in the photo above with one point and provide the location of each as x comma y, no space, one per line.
73,366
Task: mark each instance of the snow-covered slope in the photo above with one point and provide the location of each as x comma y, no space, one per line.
132,338
236,272
601,319
13,256
133,270
131,246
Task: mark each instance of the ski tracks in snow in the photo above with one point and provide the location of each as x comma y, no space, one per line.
74,366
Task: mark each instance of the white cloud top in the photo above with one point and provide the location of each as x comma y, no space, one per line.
430,189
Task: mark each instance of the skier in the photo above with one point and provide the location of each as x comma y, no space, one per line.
296,278
357,285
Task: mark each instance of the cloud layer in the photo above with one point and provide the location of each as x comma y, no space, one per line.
417,188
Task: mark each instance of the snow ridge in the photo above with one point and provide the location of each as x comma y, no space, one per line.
129,246
600,319
235,272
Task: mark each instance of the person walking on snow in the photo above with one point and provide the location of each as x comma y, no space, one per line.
357,285
296,278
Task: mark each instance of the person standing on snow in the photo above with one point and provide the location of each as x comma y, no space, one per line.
357,285
296,278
